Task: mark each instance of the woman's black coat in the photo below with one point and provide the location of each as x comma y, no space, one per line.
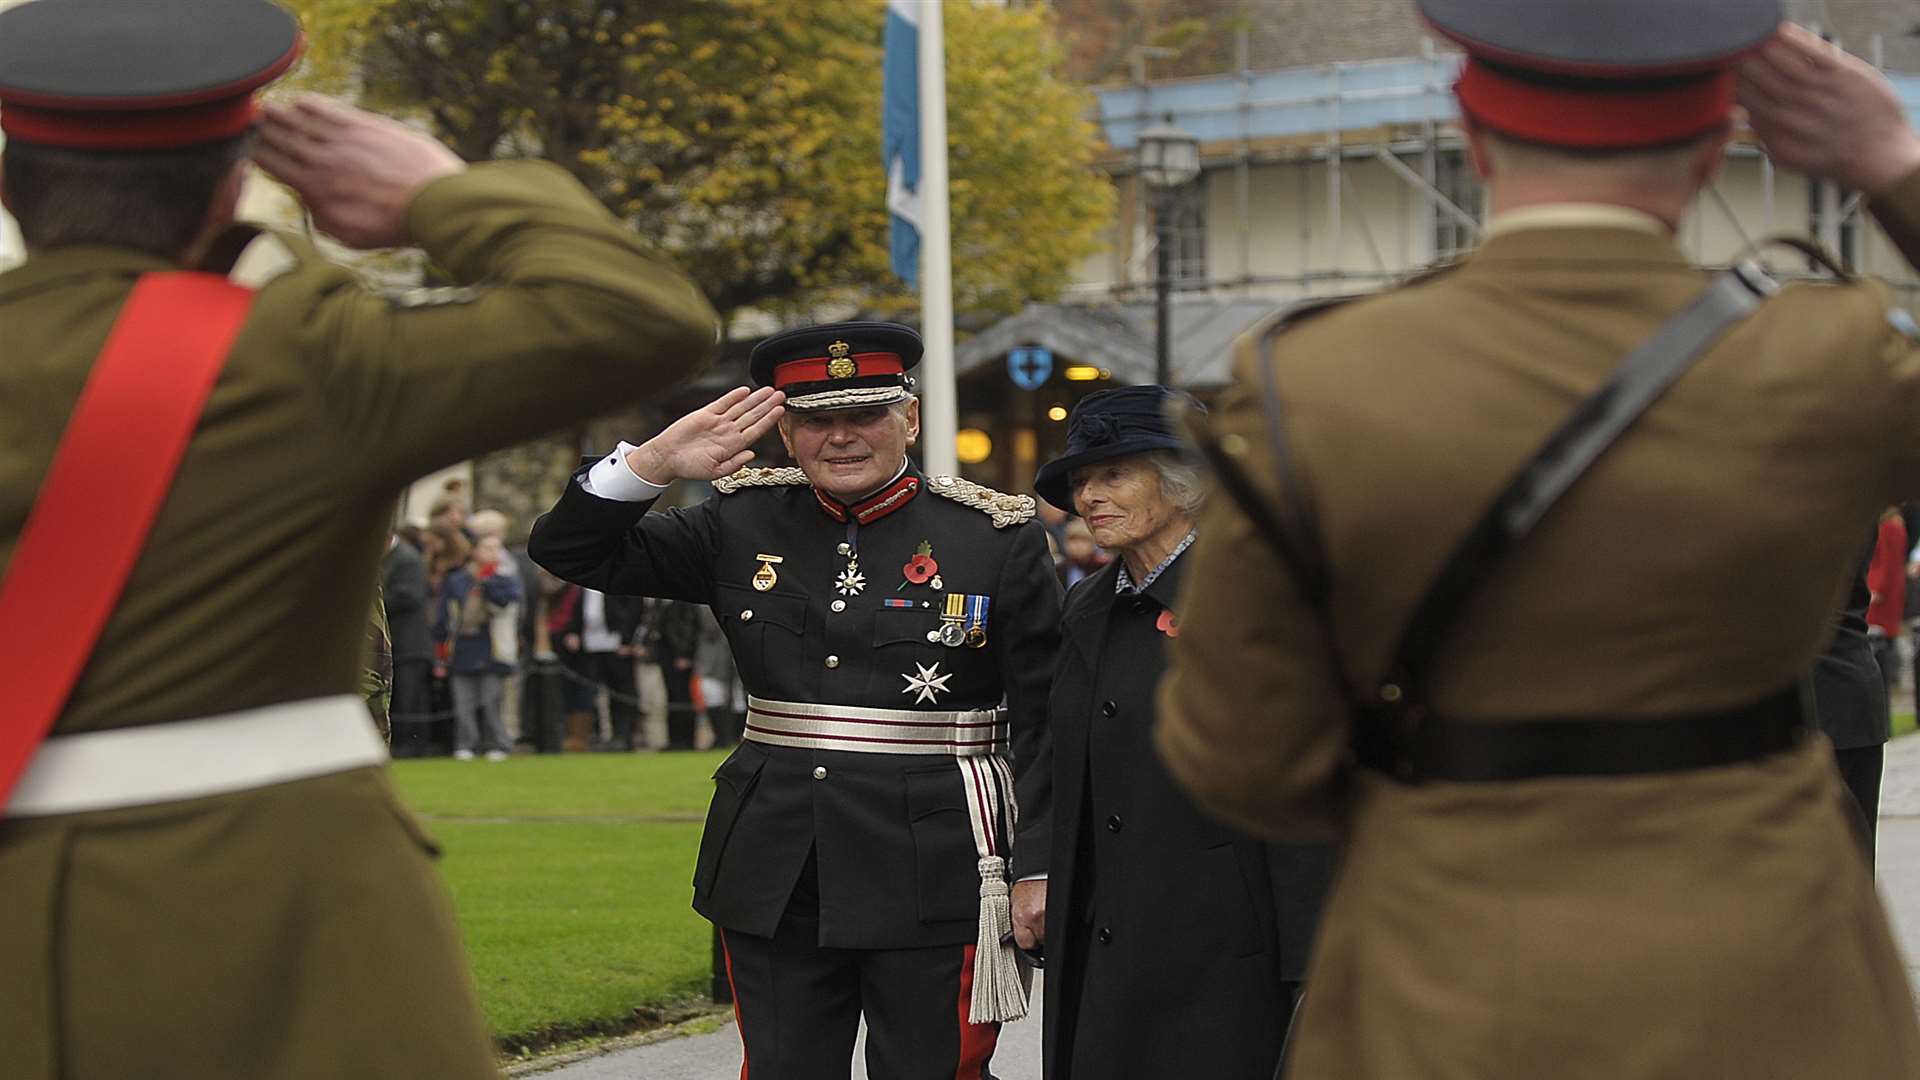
1173,940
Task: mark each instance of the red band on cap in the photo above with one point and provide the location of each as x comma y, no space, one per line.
1610,119
814,369
149,129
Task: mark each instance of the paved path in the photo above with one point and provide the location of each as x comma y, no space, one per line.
1899,859
716,1056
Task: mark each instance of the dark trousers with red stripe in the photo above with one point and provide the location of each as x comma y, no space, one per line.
799,1005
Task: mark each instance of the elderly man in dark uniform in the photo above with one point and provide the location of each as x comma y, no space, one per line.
895,632
1175,942
1589,833
203,869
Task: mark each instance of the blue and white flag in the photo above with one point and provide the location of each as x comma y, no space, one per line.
900,135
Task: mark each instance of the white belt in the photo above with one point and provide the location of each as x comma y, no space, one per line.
162,763
975,738
973,733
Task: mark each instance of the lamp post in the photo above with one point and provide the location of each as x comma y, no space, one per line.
1169,160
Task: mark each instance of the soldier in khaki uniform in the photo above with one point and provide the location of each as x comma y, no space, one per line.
1592,837
204,870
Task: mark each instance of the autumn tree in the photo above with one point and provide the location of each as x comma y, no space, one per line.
1103,39
742,136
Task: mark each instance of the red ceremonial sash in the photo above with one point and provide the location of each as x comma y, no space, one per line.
111,472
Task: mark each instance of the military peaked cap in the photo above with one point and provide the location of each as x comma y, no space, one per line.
847,365
138,74
1602,74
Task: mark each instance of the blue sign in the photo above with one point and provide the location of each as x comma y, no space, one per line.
1030,366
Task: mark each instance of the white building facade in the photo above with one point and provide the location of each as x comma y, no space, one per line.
1341,177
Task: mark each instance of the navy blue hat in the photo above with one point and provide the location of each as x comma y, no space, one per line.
847,365
1108,424
1602,74
138,74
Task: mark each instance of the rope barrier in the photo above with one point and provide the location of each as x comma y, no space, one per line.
550,667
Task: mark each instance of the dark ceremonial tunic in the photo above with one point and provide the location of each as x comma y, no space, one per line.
1171,936
890,833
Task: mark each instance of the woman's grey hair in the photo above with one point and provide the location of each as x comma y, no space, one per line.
1181,481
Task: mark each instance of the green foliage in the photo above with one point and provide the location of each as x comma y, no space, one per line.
743,135
1101,36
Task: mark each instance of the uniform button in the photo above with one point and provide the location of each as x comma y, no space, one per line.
839,605
747,615
1113,823
833,661
1110,709
1105,935
819,772
933,637
845,549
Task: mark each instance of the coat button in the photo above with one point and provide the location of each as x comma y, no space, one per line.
1105,935
1114,823
1110,709
1141,605
933,637
819,772
747,615
833,661
839,605
845,549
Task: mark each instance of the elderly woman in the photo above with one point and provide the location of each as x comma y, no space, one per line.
1174,943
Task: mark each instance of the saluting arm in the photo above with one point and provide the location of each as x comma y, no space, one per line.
621,549
560,314
600,534
1827,113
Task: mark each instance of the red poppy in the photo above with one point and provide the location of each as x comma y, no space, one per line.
1168,623
920,569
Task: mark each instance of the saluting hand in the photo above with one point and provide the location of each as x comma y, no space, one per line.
1827,113
709,443
357,171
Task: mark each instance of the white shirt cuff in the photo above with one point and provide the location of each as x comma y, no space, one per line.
612,478
1032,877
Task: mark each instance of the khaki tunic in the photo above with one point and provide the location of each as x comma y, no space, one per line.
297,930
1717,923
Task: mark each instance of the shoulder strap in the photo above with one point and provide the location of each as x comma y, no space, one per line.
126,437
1564,458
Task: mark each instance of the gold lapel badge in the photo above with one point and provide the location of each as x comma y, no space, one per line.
766,577
840,364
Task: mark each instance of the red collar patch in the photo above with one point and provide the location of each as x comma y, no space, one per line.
875,506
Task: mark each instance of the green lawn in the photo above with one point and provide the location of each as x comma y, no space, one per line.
571,876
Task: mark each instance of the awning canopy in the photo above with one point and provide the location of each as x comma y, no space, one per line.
1119,338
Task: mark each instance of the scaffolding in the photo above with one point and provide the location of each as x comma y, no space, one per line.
1395,118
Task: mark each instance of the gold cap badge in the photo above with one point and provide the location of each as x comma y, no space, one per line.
840,364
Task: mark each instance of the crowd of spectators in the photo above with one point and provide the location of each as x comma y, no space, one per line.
490,652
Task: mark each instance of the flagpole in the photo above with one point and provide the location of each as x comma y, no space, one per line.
939,408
